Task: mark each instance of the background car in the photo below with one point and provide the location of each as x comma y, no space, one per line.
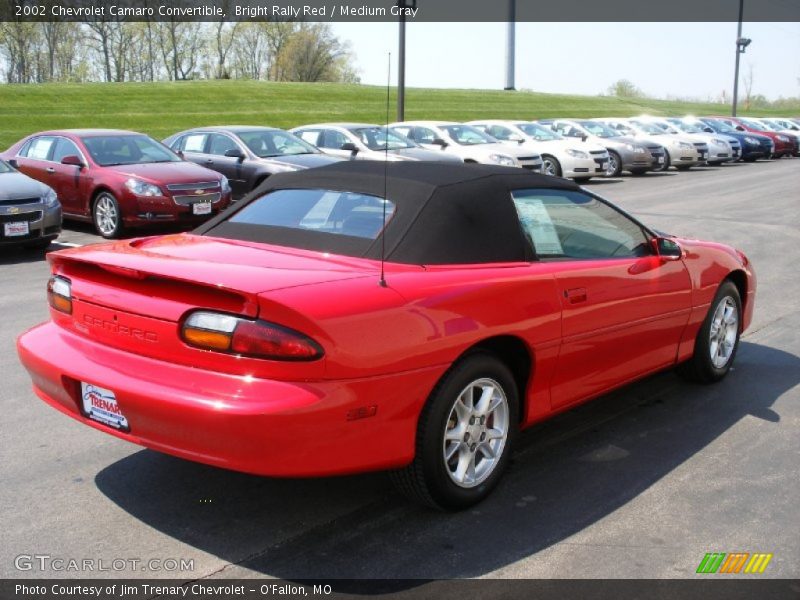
246,155
119,179
461,304
783,145
467,143
791,133
754,145
624,153
30,213
682,153
721,149
561,157
363,141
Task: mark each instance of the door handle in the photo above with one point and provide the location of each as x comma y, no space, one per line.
51,170
576,295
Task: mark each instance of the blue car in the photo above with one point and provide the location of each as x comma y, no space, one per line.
754,145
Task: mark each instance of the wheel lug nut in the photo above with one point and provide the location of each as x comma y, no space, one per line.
483,436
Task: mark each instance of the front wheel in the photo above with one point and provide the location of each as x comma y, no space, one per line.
718,338
614,164
106,215
551,166
464,435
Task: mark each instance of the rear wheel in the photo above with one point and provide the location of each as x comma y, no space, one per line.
551,166
464,435
665,165
106,215
718,338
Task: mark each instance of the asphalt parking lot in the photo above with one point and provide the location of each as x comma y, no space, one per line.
639,484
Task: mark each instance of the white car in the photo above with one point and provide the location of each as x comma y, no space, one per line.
561,156
681,153
720,148
363,141
467,143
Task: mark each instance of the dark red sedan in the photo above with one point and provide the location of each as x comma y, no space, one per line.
274,340
119,179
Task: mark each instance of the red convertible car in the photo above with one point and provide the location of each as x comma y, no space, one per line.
275,340
118,179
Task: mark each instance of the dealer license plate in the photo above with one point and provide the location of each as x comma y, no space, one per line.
661,160
101,405
201,208
16,228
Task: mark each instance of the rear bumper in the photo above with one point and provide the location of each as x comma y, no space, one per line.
259,426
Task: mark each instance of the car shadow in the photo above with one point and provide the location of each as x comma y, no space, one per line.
567,474
15,255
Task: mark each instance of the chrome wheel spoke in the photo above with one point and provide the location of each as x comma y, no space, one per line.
723,332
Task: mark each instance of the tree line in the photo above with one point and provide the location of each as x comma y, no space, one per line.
157,51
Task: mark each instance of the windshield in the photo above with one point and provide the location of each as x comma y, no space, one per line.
650,128
599,129
539,133
754,125
268,143
688,127
379,138
5,168
112,150
720,126
467,135
772,124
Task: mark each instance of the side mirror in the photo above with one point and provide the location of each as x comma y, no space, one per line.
708,130
439,142
13,162
584,137
180,153
235,153
668,249
515,138
739,128
73,160
350,147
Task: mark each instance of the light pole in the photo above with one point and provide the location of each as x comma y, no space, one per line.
741,44
401,59
511,44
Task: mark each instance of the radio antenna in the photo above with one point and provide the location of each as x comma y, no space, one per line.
382,281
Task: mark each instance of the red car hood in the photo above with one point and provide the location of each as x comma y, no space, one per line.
215,263
168,172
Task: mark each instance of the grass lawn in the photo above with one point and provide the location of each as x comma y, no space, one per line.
160,109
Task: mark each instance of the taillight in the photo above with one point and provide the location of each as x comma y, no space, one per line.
235,335
59,294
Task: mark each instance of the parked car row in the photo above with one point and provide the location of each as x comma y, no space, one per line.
121,179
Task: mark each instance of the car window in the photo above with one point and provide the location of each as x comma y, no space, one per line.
64,147
467,136
539,133
267,143
322,211
309,135
39,148
220,144
501,133
332,139
567,224
194,142
422,135
381,138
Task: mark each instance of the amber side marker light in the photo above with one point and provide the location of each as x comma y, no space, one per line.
59,294
259,339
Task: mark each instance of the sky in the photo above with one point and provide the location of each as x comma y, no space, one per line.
694,60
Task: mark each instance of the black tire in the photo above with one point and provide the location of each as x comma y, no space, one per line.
616,161
427,479
666,165
108,228
700,367
556,166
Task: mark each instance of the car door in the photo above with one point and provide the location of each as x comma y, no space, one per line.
69,181
624,307
235,169
424,136
193,147
331,142
34,158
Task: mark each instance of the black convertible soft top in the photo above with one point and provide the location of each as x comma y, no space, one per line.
444,213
